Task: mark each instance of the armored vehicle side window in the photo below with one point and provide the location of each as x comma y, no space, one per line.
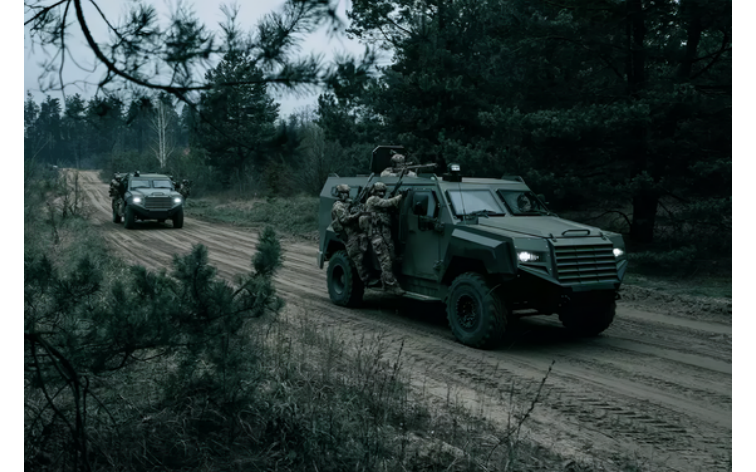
474,201
522,203
420,198
140,184
162,184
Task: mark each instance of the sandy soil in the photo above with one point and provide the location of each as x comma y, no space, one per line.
656,386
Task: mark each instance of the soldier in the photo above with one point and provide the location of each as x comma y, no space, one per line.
116,186
346,220
397,163
524,203
380,234
113,186
184,188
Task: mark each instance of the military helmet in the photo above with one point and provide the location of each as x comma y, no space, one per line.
379,187
342,188
397,159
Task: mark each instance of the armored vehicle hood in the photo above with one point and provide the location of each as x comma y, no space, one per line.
539,226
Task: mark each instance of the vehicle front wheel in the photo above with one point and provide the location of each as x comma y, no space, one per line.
178,218
477,315
591,316
344,285
128,218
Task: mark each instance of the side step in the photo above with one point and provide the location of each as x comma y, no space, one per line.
421,297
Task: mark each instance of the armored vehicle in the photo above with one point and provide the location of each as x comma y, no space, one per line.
488,248
136,196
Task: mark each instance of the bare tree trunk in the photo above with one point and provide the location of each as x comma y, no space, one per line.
160,122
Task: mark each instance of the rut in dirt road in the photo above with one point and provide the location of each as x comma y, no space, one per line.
654,387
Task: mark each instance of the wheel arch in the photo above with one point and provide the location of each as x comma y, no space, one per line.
459,265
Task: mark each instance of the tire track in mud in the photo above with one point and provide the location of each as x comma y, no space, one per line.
596,405
652,387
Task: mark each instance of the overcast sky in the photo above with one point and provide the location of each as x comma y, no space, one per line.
209,12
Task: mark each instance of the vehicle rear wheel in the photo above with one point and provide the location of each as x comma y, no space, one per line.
128,218
344,285
590,317
116,216
178,218
476,313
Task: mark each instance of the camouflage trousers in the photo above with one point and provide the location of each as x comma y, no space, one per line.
356,247
383,247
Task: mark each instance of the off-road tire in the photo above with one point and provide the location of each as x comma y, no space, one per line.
178,218
128,218
476,313
344,284
589,318
116,216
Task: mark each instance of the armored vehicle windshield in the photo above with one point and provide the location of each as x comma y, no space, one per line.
521,203
474,202
162,184
157,183
140,184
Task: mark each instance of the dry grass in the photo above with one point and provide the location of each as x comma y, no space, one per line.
295,216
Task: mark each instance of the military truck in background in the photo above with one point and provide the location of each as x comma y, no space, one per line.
488,248
140,197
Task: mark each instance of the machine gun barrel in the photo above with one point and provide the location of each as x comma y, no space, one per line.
419,166
403,173
361,195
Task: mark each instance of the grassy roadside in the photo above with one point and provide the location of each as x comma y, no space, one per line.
295,216
712,286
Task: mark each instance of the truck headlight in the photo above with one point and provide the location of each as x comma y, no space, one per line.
177,200
136,200
618,252
527,256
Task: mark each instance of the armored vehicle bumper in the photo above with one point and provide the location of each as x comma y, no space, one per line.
148,214
156,207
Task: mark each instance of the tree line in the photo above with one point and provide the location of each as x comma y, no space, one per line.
603,106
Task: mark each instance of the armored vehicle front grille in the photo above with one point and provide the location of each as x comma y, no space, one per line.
585,264
158,203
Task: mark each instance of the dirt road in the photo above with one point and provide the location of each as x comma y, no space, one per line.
654,387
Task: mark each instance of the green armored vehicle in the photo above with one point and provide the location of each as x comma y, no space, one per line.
137,196
488,248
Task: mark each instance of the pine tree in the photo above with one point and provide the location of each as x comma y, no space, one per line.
236,121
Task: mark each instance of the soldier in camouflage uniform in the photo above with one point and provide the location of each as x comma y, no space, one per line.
397,163
184,188
116,186
379,232
345,219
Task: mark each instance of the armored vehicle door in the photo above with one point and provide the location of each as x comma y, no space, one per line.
419,236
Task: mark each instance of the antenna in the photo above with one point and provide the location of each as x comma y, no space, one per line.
456,176
462,200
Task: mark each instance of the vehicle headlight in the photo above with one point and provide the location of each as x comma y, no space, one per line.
136,200
527,256
177,200
618,252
